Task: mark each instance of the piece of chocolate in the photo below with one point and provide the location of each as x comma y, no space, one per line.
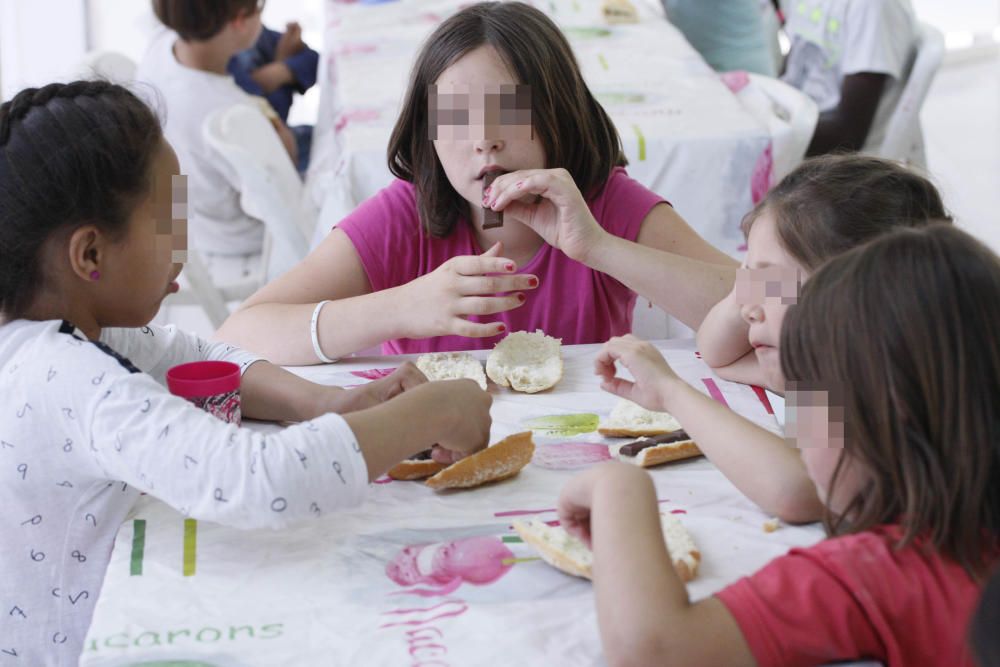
491,218
633,448
421,456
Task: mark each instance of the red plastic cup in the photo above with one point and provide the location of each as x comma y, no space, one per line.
213,386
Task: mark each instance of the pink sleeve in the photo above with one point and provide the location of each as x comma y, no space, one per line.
623,204
384,230
797,610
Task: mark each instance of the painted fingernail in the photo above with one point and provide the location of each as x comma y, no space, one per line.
501,328
493,203
487,191
509,266
521,298
532,282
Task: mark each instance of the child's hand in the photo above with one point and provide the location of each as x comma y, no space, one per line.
438,303
549,202
290,42
577,498
654,378
404,378
468,429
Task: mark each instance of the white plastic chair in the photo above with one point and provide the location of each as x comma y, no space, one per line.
270,191
903,138
270,188
110,65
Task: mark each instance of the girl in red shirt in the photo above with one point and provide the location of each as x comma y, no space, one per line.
895,372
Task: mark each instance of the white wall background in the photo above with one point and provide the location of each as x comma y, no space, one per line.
44,40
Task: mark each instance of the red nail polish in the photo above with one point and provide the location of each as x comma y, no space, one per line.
533,282
501,328
509,266
521,298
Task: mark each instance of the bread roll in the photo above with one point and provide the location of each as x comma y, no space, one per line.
628,420
528,362
500,461
567,553
451,366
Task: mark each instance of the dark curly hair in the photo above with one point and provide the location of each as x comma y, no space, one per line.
70,154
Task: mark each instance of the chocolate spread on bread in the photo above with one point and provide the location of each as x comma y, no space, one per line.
633,448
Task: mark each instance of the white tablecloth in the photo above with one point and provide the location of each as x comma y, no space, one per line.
686,135
320,593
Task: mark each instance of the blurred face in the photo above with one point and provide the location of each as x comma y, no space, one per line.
765,287
143,268
815,424
480,120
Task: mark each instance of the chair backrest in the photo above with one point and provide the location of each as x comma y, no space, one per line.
111,65
903,135
270,188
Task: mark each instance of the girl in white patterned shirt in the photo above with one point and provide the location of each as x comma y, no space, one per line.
93,236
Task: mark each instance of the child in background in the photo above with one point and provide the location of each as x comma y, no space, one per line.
276,67
823,208
92,226
852,57
187,68
496,88
729,34
893,353
826,206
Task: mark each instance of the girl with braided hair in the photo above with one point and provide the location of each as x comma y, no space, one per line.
93,231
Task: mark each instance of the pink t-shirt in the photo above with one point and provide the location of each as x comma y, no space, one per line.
855,597
572,302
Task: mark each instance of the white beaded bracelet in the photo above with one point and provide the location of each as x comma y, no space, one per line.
314,332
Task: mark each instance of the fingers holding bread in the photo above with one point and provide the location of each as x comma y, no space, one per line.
497,462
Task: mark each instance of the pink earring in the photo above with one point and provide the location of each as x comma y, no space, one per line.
95,275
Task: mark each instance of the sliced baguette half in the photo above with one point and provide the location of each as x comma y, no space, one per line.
526,362
411,469
629,420
499,461
567,553
451,366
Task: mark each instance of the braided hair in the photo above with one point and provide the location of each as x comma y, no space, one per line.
70,154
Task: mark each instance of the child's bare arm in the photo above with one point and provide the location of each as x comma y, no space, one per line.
272,76
760,464
846,126
643,609
745,370
275,322
271,393
667,252
723,336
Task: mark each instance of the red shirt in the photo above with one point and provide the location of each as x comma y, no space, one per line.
572,302
855,597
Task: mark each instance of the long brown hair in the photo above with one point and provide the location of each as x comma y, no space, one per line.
906,327
574,130
832,203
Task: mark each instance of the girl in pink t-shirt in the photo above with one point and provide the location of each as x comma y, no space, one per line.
893,373
418,267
